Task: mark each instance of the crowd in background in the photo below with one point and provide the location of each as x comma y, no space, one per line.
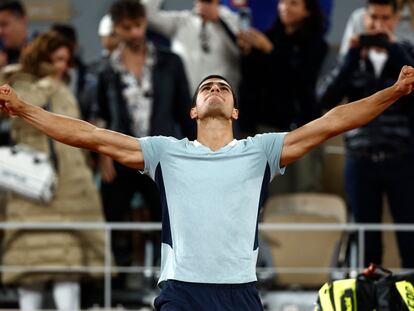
271,51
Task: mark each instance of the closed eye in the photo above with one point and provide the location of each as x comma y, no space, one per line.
205,87
209,85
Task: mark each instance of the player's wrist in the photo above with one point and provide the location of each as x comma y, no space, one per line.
399,90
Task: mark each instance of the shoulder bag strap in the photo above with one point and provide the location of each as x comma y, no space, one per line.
52,150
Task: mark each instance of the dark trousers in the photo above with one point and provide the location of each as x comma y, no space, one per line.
367,179
116,199
183,296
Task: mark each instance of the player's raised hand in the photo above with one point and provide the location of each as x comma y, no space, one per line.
405,82
9,101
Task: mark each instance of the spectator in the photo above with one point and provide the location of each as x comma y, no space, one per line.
280,70
14,35
142,91
204,35
81,82
264,12
82,77
373,150
109,40
76,198
404,30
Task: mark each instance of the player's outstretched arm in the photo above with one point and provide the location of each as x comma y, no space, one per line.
74,132
344,118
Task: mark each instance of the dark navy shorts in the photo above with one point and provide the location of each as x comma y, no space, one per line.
183,296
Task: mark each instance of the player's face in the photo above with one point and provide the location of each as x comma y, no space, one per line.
214,99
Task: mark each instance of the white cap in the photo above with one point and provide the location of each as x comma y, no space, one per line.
105,26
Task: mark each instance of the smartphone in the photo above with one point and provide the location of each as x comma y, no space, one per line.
245,18
374,40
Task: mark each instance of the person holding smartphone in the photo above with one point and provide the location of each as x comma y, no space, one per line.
379,155
404,30
279,72
203,37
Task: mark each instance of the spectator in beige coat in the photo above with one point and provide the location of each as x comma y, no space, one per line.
76,198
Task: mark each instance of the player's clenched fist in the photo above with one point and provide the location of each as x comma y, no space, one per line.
9,102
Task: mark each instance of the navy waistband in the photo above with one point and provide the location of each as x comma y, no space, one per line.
211,285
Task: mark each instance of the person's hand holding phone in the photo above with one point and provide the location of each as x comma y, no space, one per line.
374,40
379,41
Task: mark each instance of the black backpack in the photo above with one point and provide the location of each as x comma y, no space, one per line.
376,289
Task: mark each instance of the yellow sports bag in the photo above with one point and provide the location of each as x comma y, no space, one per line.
377,289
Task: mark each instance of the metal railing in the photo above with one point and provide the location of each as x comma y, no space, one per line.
108,269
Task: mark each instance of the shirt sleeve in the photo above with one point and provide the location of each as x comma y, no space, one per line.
272,146
153,147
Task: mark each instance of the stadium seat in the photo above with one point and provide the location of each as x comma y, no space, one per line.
306,249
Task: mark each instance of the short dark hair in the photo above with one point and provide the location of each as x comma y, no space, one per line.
393,3
131,9
15,7
194,100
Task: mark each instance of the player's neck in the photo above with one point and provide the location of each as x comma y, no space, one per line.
215,134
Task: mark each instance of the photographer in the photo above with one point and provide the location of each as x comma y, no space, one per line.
404,30
379,154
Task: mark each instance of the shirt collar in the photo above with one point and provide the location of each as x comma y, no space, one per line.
116,62
231,144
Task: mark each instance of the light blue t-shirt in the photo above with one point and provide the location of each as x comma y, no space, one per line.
210,204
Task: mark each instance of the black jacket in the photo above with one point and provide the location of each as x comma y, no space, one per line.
355,79
171,99
278,89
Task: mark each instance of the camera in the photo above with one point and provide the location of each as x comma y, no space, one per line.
374,40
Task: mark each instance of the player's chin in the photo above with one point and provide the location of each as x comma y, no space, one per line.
217,113
215,100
